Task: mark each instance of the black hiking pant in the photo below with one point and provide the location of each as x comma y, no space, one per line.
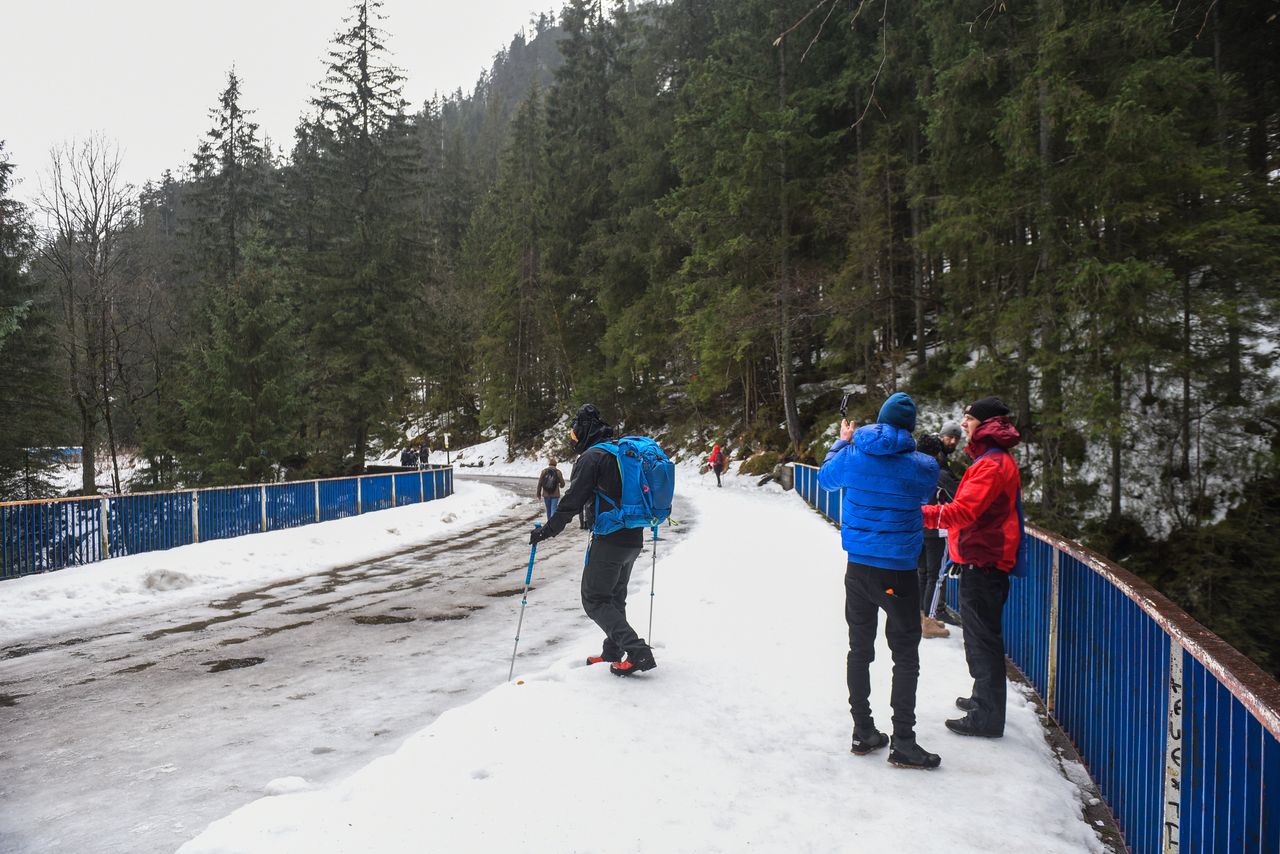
604,594
983,591
928,566
867,589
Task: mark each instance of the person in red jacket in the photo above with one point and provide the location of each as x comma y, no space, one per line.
983,535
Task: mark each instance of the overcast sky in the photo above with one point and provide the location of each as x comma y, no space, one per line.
147,72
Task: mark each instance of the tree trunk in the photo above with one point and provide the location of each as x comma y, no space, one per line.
786,376
1117,438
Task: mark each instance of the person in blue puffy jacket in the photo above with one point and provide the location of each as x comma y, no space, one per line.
885,480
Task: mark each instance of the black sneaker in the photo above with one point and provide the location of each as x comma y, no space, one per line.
966,704
867,742
637,662
966,726
905,753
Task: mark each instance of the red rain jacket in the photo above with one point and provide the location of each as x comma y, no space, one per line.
982,522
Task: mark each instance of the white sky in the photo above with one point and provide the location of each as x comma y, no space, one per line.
147,72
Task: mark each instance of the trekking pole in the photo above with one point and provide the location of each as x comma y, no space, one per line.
944,572
652,580
524,600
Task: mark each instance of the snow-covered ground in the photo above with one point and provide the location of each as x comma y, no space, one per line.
737,741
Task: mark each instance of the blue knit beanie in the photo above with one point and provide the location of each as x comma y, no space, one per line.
899,411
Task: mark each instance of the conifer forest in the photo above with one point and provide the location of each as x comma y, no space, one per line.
712,219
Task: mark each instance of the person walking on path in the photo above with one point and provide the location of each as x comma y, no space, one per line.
549,485
935,544
610,557
717,463
885,482
983,535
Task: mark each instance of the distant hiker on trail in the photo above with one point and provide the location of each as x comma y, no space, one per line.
610,557
935,544
409,458
717,463
885,482
549,484
983,533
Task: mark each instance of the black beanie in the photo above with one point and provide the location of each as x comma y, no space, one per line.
987,407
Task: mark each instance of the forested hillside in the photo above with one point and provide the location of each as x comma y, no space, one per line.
711,217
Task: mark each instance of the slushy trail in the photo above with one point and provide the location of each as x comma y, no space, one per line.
131,737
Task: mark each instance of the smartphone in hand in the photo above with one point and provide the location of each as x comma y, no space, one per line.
844,407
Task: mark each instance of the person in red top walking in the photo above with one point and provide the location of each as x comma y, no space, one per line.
717,462
983,535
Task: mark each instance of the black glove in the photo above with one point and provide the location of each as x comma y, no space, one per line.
539,534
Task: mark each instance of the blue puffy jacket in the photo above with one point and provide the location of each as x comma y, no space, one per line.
885,482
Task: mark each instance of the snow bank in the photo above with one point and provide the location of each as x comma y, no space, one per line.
738,740
69,599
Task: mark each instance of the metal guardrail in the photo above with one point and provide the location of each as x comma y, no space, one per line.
41,536
1179,730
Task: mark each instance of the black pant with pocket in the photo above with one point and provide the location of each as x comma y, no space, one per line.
604,594
867,589
983,591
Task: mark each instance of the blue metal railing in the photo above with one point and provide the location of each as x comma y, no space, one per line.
1178,729
41,536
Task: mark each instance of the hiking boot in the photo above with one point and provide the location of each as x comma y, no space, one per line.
867,741
637,662
606,654
967,726
905,753
931,628
966,704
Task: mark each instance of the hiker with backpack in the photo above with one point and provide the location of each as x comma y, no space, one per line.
884,481
601,474
549,484
717,463
984,533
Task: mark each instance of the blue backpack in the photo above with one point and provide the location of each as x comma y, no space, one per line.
648,485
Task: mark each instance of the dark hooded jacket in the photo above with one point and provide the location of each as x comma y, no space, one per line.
595,470
982,521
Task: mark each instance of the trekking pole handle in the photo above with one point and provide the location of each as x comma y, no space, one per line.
533,549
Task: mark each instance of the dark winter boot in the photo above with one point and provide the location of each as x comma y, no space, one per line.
966,704
638,661
967,726
905,753
608,653
867,741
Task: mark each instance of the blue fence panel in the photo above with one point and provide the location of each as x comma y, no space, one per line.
40,536
337,498
231,511
409,488
146,522
1026,617
290,505
375,493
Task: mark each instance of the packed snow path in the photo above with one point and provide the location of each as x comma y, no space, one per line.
133,735
738,741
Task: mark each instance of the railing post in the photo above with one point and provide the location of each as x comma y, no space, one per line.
264,507
1051,680
317,483
393,489
1172,836
422,487
359,497
195,515
104,516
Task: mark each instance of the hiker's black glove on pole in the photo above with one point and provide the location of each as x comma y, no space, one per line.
537,535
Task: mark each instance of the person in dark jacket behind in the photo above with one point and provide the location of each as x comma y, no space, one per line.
935,544
610,557
885,482
983,533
